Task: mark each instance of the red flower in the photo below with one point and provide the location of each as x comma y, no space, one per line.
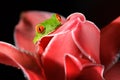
75,51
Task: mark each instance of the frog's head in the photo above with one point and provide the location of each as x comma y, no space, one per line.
47,26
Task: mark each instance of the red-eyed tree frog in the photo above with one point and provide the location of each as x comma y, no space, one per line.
47,26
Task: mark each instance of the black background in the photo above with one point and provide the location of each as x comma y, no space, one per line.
101,12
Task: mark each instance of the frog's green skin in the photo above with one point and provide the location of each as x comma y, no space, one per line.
49,26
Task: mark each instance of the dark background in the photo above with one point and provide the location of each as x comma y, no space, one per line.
101,12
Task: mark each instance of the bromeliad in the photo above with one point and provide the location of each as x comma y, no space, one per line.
70,52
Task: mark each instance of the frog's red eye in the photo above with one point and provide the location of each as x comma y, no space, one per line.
58,17
40,29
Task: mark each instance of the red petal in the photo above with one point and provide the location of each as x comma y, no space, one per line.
74,65
25,30
93,72
87,38
86,35
43,44
110,43
53,56
9,55
77,71
113,73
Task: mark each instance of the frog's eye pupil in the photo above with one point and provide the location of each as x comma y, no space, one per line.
58,17
40,29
